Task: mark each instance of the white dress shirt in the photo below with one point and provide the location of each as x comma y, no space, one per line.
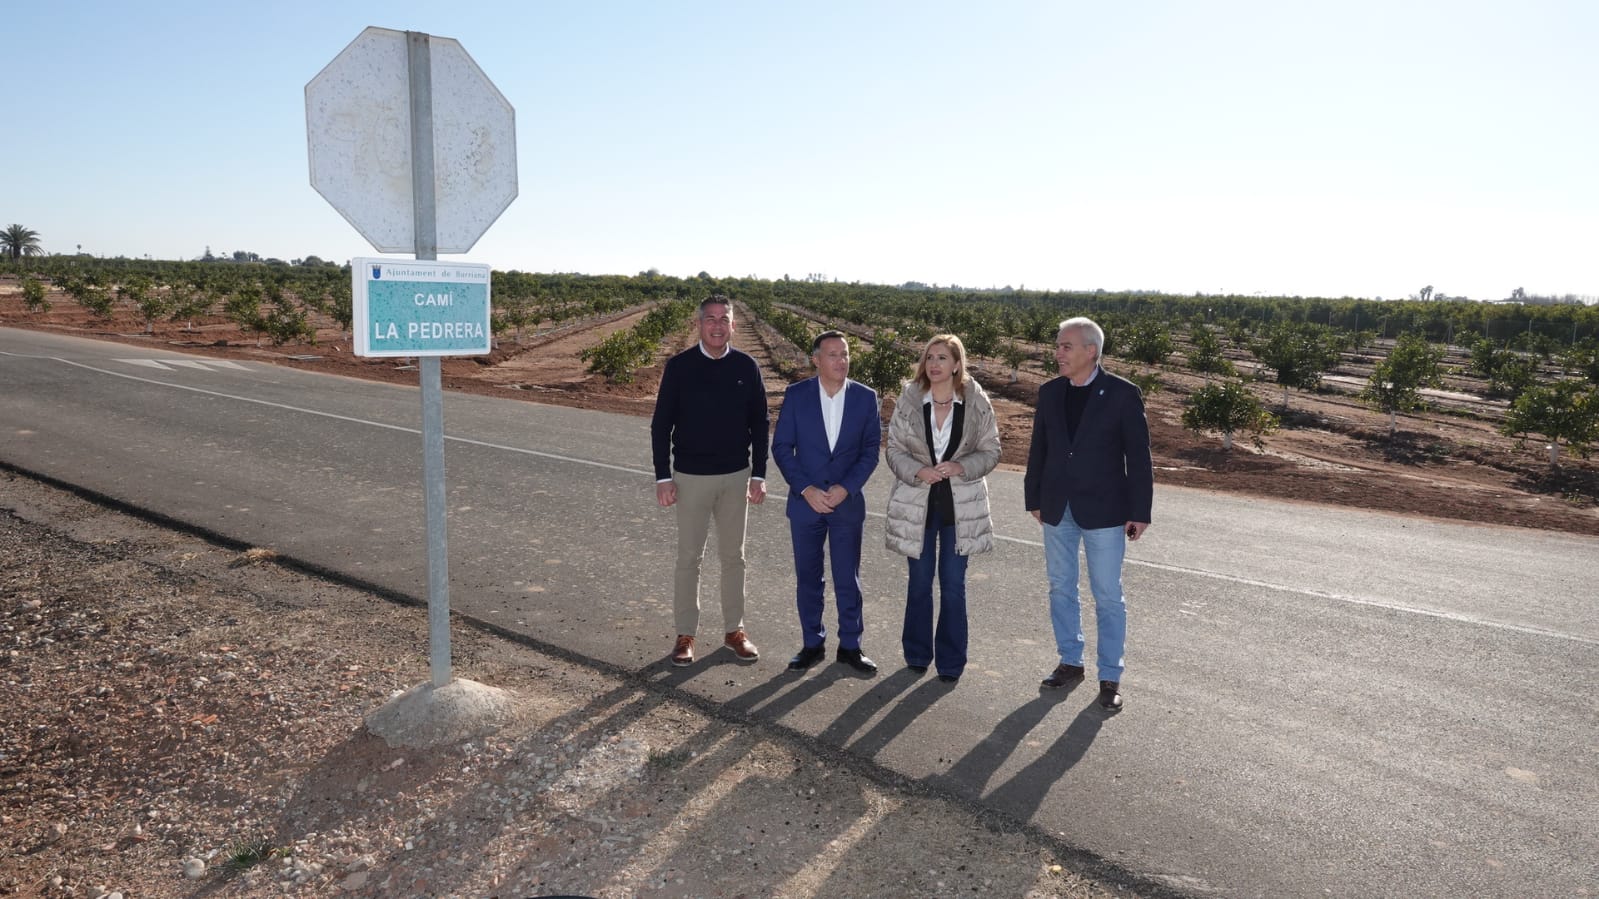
832,412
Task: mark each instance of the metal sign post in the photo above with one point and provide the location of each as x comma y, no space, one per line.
419,68
453,176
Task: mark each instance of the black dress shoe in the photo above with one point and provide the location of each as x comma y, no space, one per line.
919,669
807,656
1110,695
1063,675
950,678
857,660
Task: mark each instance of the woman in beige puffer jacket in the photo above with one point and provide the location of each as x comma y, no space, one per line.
943,440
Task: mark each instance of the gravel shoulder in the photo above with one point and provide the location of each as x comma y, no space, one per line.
179,718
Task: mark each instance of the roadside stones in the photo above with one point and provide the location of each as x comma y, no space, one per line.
193,868
300,871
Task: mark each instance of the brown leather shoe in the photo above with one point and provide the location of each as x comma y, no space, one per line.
739,642
683,652
1063,675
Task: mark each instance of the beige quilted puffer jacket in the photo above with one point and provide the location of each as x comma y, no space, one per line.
908,453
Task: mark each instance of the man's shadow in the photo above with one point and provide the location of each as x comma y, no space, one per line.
971,773
1024,792
910,708
763,700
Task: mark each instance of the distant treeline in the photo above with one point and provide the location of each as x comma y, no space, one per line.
984,317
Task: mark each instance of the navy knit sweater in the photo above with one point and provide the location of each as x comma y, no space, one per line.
710,415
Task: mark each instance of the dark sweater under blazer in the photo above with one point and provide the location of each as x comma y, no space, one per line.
1103,471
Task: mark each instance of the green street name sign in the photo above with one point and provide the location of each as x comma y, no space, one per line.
410,308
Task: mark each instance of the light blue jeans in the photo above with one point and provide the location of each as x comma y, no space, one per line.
1104,548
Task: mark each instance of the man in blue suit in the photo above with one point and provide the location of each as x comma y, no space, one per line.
1090,483
826,445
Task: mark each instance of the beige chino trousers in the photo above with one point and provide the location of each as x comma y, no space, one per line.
700,499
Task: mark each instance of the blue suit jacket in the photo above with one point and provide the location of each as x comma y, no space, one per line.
1105,475
799,447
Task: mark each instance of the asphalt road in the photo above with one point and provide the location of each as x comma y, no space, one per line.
1319,701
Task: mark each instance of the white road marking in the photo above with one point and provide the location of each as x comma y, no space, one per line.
165,364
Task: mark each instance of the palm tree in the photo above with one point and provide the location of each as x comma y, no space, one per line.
17,241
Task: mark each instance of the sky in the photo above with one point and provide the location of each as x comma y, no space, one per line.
1362,148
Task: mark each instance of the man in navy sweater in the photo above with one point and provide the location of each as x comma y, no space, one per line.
708,437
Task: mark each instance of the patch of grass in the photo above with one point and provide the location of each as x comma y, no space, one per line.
246,854
254,556
1494,418
667,760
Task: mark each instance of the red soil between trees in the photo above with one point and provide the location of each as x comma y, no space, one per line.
1331,450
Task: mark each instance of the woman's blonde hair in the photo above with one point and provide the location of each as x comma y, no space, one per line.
956,350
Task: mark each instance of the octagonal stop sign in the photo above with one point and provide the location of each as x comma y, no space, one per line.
358,126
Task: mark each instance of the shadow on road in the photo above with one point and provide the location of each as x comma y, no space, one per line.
1021,795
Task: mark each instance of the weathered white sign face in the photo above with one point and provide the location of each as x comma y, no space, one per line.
415,308
358,126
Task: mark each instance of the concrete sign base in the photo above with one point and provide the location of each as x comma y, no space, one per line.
429,717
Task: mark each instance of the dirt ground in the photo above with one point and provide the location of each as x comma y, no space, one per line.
181,719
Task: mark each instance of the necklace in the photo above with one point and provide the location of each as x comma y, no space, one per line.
939,402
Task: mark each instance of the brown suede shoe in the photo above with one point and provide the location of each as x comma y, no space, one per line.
739,642
683,652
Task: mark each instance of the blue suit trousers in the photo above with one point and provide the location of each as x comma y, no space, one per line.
842,542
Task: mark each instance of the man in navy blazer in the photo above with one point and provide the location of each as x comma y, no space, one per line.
826,445
1089,482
